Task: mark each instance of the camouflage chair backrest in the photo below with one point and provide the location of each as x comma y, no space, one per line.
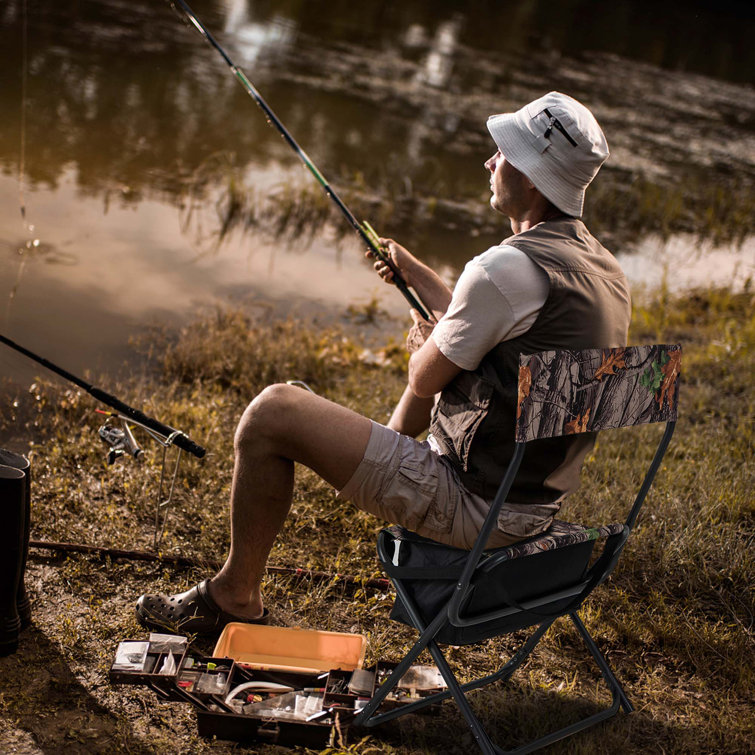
568,392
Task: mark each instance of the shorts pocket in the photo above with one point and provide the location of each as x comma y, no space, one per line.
411,499
522,523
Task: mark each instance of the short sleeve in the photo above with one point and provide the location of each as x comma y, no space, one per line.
497,297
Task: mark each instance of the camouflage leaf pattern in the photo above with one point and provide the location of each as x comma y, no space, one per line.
613,360
568,392
558,535
525,381
671,370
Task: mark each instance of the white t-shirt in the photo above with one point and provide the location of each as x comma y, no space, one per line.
498,297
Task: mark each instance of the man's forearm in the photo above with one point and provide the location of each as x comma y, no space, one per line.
412,414
430,287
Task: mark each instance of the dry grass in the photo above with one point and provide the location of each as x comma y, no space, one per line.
676,620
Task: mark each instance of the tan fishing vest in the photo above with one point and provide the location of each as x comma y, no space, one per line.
588,306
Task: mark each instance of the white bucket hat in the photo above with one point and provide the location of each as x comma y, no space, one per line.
557,143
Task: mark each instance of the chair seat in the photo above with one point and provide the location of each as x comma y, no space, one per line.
558,535
429,572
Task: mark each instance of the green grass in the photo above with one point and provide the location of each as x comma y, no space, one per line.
676,620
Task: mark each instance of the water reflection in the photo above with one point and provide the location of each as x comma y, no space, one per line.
143,155
682,262
439,62
137,267
251,38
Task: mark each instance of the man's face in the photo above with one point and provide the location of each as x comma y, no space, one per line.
510,188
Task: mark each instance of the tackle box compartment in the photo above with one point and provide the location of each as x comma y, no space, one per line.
292,649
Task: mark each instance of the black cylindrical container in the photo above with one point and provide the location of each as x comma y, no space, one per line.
12,515
11,459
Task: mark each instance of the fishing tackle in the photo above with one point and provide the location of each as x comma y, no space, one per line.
169,435
364,230
121,439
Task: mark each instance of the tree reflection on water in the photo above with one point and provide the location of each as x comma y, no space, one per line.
127,105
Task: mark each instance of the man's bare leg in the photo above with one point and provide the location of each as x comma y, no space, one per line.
283,425
411,415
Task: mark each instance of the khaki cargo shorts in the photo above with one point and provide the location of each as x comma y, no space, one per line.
403,481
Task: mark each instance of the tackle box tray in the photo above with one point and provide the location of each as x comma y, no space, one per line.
291,649
273,693
153,662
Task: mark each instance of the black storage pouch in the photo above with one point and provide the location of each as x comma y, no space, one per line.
429,571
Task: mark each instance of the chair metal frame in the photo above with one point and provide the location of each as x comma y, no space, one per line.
455,616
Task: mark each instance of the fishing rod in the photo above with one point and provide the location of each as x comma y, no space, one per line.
169,435
364,230
375,583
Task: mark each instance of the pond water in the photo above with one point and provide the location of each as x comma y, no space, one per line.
139,184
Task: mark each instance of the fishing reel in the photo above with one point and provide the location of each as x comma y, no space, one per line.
121,441
116,434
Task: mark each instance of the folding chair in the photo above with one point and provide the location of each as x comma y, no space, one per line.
463,597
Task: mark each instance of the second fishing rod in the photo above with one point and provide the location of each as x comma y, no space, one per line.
364,230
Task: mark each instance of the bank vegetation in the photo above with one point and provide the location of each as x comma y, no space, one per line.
676,619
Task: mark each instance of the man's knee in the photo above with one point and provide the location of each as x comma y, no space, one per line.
267,416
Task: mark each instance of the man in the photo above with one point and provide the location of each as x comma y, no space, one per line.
550,285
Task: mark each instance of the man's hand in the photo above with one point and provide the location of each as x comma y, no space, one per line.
400,257
418,333
431,290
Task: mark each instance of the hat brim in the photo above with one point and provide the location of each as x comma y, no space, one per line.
507,130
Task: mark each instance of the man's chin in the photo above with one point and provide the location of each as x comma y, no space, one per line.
495,204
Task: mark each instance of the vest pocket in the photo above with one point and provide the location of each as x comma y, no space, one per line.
462,407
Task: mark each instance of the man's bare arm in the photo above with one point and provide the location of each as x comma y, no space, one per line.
429,371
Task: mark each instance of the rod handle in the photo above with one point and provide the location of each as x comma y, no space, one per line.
373,240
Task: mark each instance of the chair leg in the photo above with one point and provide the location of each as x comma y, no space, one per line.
366,717
605,669
619,699
502,675
483,740
457,691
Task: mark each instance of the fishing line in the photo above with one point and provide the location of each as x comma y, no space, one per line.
31,243
24,73
364,230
